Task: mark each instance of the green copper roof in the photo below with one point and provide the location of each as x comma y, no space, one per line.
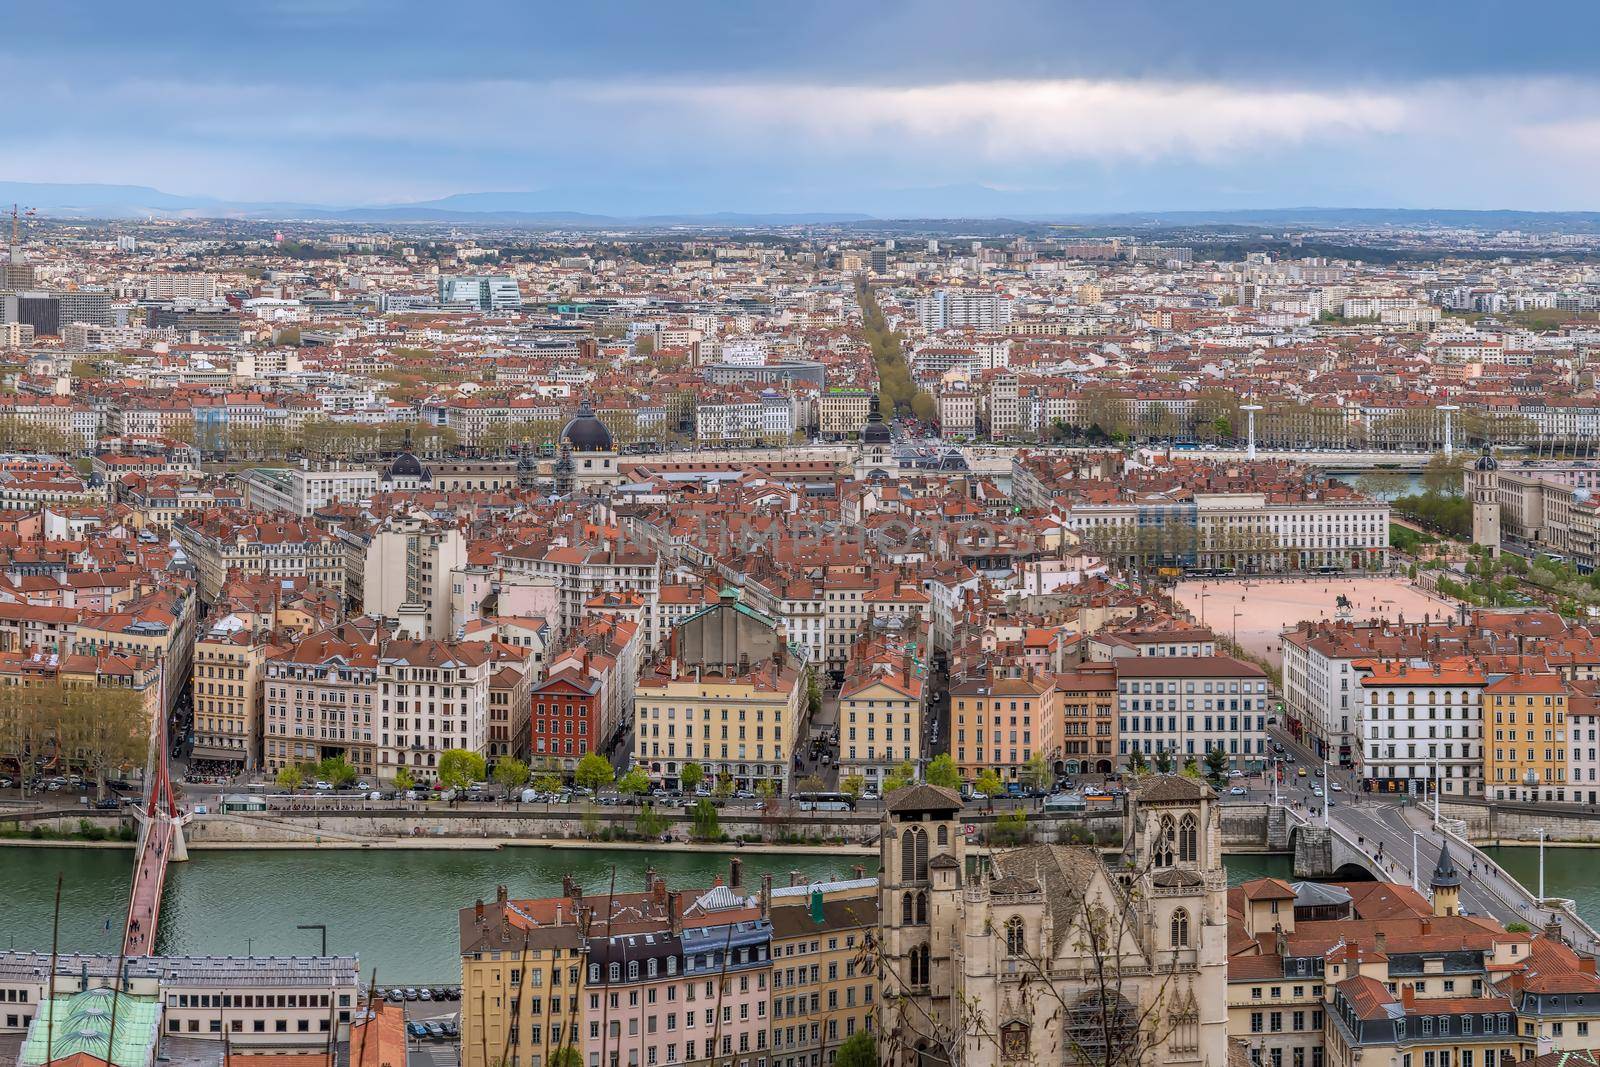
82,1023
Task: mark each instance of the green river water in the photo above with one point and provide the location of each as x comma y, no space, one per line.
397,909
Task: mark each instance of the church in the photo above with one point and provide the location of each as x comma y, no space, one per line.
1049,953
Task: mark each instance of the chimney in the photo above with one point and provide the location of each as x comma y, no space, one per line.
1427,924
672,911
478,912
1586,965
559,906
794,879
1380,941
501,894
735,874
1408,996
766,895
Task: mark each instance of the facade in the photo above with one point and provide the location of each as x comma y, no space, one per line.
880,717
303,492
999,721
223,543
1421,728
992,967
321,701
406,576
229,675
565,721
824,984
1188,706
953,308
1527,758
1087,698
432,697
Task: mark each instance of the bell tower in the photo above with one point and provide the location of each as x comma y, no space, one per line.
1485,483
1446,884
922,865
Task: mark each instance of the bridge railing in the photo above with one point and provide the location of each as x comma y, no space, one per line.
1587,938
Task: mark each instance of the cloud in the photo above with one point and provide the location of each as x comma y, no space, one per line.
1032,119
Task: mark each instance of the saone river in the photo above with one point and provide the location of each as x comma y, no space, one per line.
397,909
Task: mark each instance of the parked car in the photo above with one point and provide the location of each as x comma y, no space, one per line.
411,994
450,1028
425,994
436,1031
1238,791
394,996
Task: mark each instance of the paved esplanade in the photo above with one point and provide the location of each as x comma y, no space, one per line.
1366,821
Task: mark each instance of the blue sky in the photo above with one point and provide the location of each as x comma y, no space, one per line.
893,108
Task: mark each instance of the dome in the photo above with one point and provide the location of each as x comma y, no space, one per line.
1486,461
876,431
585,432
405,465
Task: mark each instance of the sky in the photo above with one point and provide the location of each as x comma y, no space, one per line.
893,108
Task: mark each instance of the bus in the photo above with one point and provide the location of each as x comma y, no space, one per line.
824,802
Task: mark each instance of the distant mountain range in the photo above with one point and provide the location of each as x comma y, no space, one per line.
532,209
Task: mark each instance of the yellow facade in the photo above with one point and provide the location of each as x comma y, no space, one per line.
1525,738
731,728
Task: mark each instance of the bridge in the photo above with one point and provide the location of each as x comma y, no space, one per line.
160,843
1403,845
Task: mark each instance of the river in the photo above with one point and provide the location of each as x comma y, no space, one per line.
397,909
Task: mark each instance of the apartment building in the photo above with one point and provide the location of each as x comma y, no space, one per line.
221,543
522,971
998,721
407,575
230,658
320,701
1527,757
581,573
432,697
823,980
1087,698
880,714
303,491
727,694
1421,727
1188,706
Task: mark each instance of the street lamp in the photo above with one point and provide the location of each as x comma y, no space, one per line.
1541,865
1415,887
321,927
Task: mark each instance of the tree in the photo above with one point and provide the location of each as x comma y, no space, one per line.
1217,765
336,771
924,408
989,783
635,783
510,773
403,780
766,789
1191,768
724,786
899,778
706,825
594,772
565,1056
942,772
459,768
1163,761
1011,828
290,777
813,692
650,823
547,782
1037,773
692,775
858,1050
853,785
1136,763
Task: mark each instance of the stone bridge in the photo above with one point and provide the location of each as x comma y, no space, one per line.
1324,853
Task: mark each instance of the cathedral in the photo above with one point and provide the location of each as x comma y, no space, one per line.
1051,954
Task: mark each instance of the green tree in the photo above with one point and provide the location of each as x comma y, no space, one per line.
459,768
547,782
813,692
1037,773
650,823
942,772
290,777
1222,426
706,825
924,408
336,771
1191,768
594,772
1136,762
510,773
989,783
635,783
899,778
692,775
1217,764
403,780
852,786
1163,761
858,1050
765,789
1011,828
565,1056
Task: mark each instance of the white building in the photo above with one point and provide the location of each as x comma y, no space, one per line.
407,576
1421,724
947,308
1186,706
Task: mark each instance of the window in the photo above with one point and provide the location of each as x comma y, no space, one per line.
1180,929
1188,840
1016,942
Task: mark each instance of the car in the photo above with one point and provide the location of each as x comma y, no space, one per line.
1317,773
395,996
450,1028
436,1031
322,786
1235,773
1318,793
411,994
108,804
424,994
416,1030
1238,791
1301,772
1336,787
363,785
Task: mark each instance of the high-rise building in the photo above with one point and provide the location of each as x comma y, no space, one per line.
486,293
16,272
950,308
40,310
90,306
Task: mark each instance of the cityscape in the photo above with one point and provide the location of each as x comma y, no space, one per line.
627,536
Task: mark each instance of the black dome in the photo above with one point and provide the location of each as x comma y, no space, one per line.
585,432
406,465
876,431
1486,462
